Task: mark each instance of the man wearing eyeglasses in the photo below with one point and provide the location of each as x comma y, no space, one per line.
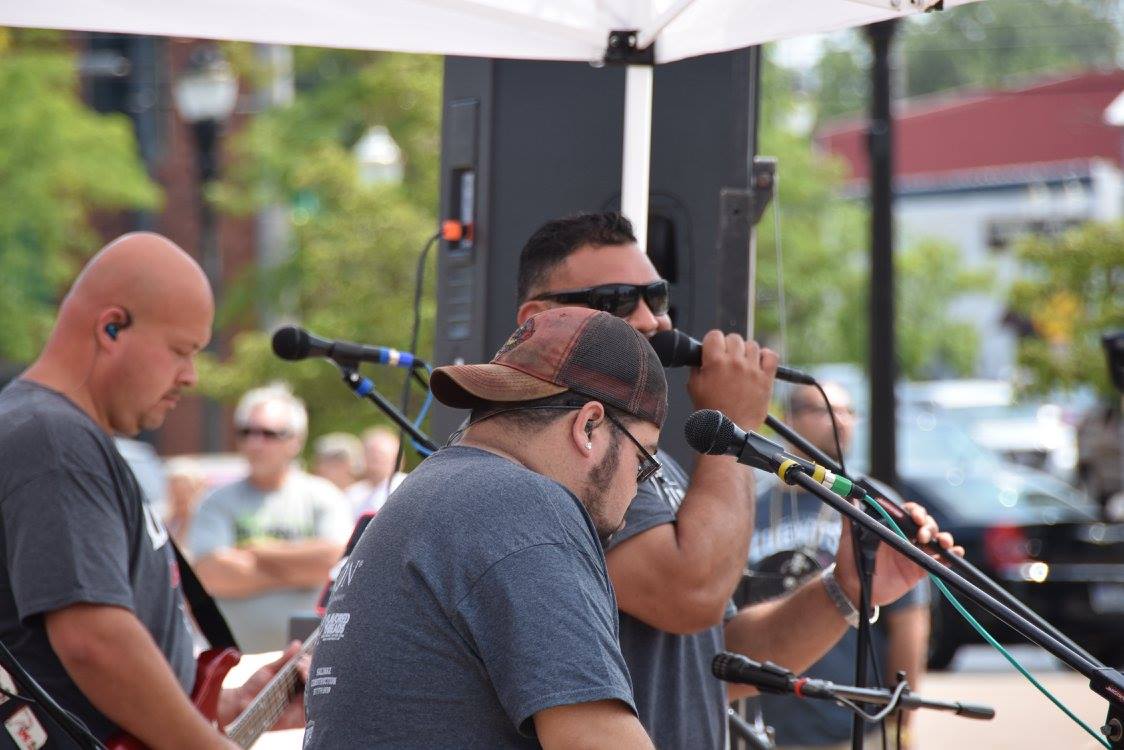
682,549
264,545
476,610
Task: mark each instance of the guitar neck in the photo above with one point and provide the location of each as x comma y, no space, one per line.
270,703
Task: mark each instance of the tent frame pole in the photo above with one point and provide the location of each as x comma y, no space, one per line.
636,149
636,165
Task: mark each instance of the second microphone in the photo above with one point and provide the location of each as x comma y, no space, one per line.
677,349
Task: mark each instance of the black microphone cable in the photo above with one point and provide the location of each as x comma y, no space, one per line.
419,288
834,424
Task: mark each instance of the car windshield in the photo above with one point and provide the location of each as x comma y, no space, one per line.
973,482
927,444
1006,495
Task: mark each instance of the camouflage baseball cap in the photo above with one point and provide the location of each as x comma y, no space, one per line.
564,349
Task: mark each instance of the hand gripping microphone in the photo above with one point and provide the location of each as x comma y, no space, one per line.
295,343
713,433
677,349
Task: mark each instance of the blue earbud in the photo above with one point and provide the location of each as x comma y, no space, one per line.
114,329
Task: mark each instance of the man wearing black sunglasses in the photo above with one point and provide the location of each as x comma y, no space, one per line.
620,300
682,550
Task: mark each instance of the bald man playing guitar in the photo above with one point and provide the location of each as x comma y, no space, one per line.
90,596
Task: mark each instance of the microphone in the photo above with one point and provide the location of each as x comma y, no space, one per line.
771,678
295,343
677,349
711,432
767,677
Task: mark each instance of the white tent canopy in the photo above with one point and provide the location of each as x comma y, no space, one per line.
576,30
524,29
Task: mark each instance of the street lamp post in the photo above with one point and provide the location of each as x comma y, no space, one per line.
205,95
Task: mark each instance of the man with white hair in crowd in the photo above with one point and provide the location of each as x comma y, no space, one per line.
263,545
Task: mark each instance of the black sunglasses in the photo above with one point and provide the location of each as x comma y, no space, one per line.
619,300
649,464
262,432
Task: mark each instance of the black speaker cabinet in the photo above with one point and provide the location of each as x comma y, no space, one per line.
525,142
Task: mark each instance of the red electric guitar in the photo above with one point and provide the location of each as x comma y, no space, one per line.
258,717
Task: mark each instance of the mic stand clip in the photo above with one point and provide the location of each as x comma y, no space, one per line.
364,387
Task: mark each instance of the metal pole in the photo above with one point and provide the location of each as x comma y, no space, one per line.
883,371
206,134
882,356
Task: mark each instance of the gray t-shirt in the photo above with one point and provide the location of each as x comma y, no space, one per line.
477,597
303,507
680,703
74,528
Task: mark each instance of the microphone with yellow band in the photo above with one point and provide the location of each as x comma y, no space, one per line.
713,433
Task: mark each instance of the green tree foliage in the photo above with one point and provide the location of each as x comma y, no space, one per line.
843,78
987,44
931,342
822,236
350,272
825,263
1073,292
58,161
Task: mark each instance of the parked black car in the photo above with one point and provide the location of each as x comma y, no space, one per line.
1035,535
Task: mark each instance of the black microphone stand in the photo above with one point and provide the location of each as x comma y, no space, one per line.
747,733
773,678
961,565
1106,682
364,388
866,550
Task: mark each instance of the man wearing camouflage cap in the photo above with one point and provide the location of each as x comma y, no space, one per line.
476,610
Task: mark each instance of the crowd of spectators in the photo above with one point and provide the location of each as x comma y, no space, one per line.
264,544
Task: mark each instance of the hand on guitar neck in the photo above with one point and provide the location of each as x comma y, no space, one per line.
234,701
272,698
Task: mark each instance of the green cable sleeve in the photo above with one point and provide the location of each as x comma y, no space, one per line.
842,486
990,639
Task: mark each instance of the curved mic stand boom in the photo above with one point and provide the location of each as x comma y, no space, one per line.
1106,682
957,563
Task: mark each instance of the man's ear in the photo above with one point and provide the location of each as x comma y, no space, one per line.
109,325
588,418
529,308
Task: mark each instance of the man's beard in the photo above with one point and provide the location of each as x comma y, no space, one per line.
596,488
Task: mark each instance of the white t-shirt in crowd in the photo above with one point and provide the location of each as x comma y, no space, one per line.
366,497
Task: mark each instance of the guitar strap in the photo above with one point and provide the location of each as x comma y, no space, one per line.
206,612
